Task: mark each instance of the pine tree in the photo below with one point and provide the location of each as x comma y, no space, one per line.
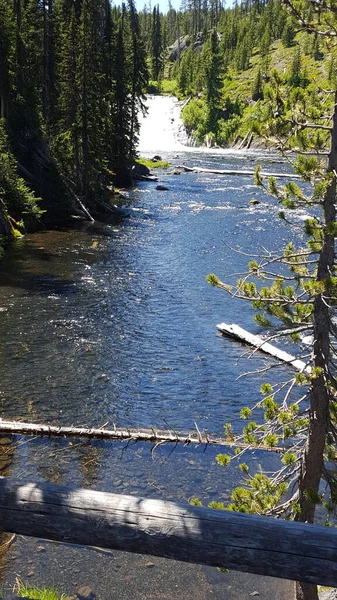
156,44
213,81
257,92
304,298
288,34
139,78
296,68
121,105
7,42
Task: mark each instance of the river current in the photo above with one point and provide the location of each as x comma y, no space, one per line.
115,323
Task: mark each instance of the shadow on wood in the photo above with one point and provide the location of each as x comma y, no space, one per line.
242,542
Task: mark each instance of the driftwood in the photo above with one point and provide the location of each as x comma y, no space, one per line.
138,177
244,336
156,436
76,198
243,141
232,172
249,141
219,538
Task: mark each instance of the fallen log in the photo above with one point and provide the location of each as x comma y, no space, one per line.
249,143
234,172
243,141
244,336
219,538
76,198
140,177
156,436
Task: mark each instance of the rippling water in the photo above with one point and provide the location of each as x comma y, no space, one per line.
116,324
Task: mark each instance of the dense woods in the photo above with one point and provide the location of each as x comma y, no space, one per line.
73,78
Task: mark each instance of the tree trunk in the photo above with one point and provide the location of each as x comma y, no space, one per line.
319,393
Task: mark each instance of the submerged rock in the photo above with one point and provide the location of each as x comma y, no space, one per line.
85,593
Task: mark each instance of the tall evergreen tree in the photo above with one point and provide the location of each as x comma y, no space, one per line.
213,81
139,77
156,44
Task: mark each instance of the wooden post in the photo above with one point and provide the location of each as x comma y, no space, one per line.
242,542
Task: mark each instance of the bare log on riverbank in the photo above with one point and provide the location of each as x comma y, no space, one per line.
156,436
220,538
78,201
233,172
244,336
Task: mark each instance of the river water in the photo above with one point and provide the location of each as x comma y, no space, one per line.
115,323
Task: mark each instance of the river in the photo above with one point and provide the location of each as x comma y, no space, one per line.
115,323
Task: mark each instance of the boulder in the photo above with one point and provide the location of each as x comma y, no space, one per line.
162,188
156,158
183,43
139,171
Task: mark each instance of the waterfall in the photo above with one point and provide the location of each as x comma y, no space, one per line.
162,129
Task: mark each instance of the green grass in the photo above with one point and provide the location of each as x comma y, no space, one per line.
34,593
160,164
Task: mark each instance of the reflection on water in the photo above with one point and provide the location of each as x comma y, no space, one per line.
116,324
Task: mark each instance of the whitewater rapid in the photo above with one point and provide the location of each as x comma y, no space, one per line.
162,128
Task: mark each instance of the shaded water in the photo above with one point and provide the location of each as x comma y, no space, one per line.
116,324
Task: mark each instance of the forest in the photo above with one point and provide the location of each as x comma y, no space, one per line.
229,62
74,75
73,78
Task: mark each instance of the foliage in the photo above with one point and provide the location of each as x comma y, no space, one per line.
153,87
168,87
16,200
156,44
239,63
293,291
73,78
35,593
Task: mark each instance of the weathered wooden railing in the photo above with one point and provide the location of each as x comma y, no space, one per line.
194,534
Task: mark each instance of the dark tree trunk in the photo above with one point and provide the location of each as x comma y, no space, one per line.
319,393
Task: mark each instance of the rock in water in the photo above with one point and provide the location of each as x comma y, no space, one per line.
85,593
139,171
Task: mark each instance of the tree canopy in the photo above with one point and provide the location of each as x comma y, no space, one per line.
73,77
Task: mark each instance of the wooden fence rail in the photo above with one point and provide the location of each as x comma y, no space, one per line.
193,534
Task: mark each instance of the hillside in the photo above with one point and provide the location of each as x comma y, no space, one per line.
241,64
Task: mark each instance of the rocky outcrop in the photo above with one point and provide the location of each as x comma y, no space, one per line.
183,43
179,45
